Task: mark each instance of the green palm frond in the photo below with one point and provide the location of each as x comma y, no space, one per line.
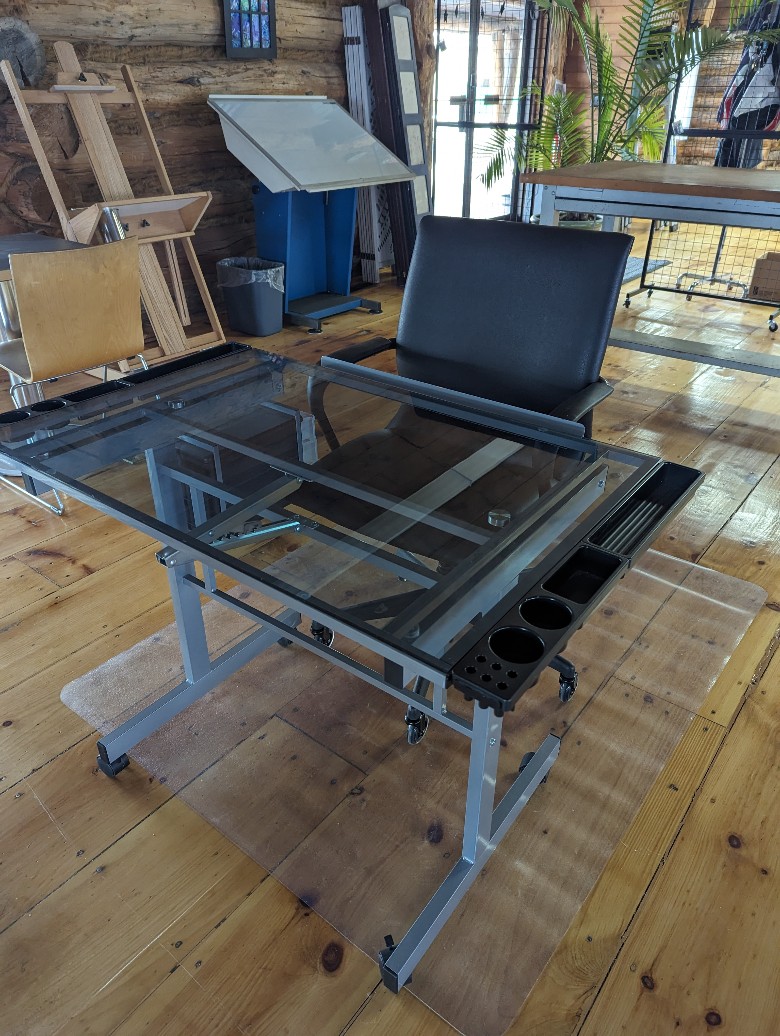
623,112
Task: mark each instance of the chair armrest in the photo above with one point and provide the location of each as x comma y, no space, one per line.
316,388
315,394
362,350
579,404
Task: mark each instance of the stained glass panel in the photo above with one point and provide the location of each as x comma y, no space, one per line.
250,28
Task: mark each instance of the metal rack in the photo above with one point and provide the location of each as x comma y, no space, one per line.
712,124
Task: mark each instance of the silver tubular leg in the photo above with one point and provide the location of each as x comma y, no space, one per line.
189,621
483,830
481,787
113,747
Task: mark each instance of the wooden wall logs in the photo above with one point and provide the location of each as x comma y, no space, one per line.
177,53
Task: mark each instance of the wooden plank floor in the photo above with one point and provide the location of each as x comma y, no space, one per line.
122,911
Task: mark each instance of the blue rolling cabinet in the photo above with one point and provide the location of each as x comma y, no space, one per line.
309,156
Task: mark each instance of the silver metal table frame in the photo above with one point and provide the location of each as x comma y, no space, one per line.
418,675
423,688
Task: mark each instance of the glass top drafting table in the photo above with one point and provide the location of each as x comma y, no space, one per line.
460,541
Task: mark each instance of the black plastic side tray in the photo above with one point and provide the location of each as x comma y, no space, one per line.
543,614
181,363
640,518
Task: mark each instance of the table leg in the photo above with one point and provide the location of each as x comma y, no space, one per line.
548,215
483,829
113,747
189,620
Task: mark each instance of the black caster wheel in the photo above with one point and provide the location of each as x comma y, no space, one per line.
688,298
417,724
627,303
112,769
322,634
525,761
566,688
284,642
772,325
649,292
388,977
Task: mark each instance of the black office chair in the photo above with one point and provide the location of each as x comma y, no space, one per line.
510,312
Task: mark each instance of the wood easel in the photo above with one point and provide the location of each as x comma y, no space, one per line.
163,218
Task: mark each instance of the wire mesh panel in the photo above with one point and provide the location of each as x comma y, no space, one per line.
726,113
736,263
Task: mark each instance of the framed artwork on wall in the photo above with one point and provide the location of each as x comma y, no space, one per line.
250,29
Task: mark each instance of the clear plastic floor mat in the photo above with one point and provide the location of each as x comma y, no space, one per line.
308,770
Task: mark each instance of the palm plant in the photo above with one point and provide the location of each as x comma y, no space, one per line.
622,115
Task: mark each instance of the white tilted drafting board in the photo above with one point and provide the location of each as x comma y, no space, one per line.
303,143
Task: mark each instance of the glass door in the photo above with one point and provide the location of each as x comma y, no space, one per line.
486,51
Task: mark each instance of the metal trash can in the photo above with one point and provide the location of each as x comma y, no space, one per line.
253,290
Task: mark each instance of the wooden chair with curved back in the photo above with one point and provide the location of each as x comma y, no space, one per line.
78,310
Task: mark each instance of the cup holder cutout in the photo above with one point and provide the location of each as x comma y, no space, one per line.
516,645
546,613
581,577
14,416
46,406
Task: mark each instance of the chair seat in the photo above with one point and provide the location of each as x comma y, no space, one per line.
14,358
409,455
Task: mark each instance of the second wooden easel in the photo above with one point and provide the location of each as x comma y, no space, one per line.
165,218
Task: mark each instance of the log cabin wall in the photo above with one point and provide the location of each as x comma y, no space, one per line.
176,50
610,14
712,79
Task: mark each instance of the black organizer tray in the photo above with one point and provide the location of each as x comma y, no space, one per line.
542,614
13,429
511,656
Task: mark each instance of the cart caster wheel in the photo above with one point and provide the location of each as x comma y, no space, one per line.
112,769
525,761
417,724
627,303
649,292
772,325
566,688
322,634
388,977
284,642
688,298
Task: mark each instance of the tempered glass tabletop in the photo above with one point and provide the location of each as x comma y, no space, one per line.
374,505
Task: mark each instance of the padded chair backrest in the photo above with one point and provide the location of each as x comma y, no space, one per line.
78,309
509,311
